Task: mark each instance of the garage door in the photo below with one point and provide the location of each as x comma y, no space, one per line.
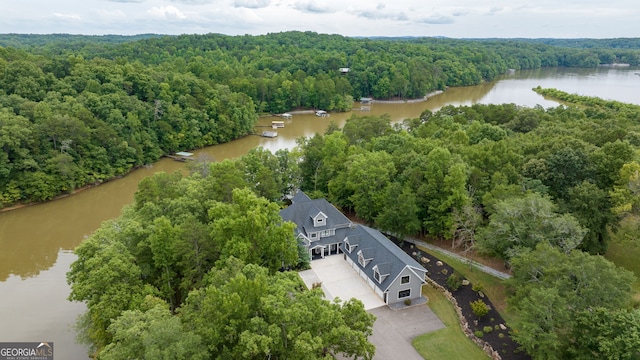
378,292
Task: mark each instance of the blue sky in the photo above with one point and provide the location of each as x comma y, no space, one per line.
453,18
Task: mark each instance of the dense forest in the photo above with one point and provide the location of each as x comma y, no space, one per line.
195,258
543,190
79,110
193,269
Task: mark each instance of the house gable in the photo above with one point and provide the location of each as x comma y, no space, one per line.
387,267
406,285
365,256
322,229
351,243
319,220
315,216
381,272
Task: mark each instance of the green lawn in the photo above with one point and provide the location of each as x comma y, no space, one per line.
493,287
449,343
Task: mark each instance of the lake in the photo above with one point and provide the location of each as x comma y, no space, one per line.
37,241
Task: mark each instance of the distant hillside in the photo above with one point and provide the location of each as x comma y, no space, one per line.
77,110
41,40
617,43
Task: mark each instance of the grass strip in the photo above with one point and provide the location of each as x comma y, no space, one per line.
450,342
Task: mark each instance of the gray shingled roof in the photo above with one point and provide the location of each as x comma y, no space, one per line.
389,258
385,268
302,211
300,196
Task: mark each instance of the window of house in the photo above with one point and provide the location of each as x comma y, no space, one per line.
404,280
404,293
313,235
376,275
361,260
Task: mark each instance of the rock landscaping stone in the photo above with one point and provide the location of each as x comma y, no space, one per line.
497,343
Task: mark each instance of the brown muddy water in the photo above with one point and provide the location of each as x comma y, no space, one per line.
37,242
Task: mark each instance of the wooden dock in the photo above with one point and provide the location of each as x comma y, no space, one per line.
181,156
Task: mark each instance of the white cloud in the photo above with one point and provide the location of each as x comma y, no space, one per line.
252,4
381,13
197,2
166,12
453,18
67,16
495,10
435,19
313,7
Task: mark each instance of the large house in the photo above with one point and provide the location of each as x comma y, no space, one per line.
321,227
324,231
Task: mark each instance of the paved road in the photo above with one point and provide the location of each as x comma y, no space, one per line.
479,266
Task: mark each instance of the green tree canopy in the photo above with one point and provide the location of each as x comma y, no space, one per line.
523,223
551,290
246,313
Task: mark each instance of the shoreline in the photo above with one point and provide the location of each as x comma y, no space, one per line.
23,205
92,185
89,186
62,196
401,101
409,101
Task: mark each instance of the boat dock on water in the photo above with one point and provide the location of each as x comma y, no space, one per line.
181,156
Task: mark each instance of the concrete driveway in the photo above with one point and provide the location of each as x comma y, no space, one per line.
394,330
340,280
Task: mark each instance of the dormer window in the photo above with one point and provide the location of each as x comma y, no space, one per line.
364,259
320,220
380,273
348,246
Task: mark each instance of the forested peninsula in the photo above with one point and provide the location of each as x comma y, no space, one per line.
80,110
194,267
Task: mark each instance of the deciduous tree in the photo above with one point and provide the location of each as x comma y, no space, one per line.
523,222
